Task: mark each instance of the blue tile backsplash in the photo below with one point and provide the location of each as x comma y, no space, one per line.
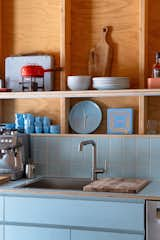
132,156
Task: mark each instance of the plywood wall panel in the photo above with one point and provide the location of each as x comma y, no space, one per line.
31,26
89,17
1,38
153,32
38,107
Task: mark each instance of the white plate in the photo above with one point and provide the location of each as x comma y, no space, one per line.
112,81
110,84
109,78
105,82
111,87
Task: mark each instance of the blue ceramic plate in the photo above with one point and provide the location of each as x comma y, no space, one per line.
85,117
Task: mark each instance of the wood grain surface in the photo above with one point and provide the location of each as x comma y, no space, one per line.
31,26
154,111
153,32
89,17
65,53
4,179
1,47
143,114
143,42
65,107
38,107
121,185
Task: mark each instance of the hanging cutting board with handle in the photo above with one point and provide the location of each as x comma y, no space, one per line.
101,57
117,185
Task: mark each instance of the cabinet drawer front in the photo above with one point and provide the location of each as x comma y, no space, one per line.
88,235
1,208
33,233
112,215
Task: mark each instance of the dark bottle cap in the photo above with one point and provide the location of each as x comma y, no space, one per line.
157,54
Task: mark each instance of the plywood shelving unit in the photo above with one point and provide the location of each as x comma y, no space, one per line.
68,29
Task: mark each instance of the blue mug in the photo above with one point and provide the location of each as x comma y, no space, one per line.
19,122
46,121
28,123
55,129
38,129
38,125
46,124
29,130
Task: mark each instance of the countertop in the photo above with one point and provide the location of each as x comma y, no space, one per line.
150,192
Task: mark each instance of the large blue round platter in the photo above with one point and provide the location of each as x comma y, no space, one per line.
85,117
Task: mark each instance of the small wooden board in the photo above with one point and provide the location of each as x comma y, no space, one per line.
101,57
117,185
4,179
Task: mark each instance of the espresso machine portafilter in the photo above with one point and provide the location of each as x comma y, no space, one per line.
11,155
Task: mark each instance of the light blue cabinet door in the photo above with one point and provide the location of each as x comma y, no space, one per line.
124,216
35,233
1,208
92,235
1,232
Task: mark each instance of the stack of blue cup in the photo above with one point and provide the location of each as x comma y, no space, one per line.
28,123
38,124
46,125
19,122
55,129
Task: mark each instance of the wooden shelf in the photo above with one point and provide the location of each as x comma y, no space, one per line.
96,135
65,43
81,94
138,99
89,135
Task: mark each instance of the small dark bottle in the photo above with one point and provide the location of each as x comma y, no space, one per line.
156,66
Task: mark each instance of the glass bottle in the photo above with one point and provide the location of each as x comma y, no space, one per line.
156,66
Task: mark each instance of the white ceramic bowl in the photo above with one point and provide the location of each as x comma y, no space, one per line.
78,83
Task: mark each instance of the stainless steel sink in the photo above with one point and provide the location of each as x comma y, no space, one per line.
58,183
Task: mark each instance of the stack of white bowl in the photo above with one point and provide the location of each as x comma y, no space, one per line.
111,83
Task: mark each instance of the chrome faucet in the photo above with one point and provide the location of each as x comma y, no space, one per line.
95,170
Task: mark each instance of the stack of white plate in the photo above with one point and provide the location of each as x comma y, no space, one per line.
111,83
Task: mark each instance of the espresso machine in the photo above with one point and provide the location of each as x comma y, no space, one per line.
11,155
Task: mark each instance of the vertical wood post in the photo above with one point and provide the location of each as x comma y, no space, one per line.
65,106
143,104
143,43
65,49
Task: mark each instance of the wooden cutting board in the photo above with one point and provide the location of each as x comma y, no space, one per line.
117,185
4,179
101,57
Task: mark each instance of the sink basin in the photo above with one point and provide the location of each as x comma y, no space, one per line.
58,183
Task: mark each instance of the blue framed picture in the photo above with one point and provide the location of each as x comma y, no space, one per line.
120,120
